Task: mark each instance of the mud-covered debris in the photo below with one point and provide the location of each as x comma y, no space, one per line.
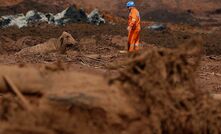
52,45
69,15
34,16
15,20
50,17
157,27
4,22
163,81
95,17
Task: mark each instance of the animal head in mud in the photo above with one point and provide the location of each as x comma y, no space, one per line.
66,40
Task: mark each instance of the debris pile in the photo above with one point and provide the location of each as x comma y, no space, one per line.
69,15
166,96
34,16
95,18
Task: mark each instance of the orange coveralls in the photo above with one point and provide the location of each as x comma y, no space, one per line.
134,33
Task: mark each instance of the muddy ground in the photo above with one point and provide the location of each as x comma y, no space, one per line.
76,96
171,37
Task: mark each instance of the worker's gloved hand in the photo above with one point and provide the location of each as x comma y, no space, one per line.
129,28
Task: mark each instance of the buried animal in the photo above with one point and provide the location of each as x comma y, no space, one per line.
52,45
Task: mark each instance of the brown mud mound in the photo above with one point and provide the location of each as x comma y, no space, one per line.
161,86
71,102
52,45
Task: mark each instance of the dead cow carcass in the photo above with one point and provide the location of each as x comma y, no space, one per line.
52,45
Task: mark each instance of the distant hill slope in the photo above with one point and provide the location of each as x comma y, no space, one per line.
9,2
22,6
118,5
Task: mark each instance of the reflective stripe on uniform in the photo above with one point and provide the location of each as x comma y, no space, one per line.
133,20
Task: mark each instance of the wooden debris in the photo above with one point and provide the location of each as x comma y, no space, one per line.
25,102
209,73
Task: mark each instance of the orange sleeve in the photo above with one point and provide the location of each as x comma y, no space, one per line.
132,18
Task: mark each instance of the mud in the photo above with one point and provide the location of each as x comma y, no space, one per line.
164,83
129,102
217,11
169,16
27,5
167,11
166,38
167,87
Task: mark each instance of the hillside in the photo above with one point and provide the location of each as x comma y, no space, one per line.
116,5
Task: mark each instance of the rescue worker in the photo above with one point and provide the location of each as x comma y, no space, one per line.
134,27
